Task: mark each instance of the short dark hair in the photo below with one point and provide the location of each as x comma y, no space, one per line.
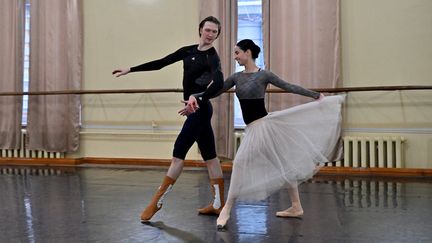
248,44
210,19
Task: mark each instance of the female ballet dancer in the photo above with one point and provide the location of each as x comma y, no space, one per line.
280,149
202,73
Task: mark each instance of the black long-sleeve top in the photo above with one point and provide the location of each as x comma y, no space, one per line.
200,68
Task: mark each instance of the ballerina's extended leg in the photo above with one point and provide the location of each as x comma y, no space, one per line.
224,214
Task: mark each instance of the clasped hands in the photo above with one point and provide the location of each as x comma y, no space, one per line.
191,105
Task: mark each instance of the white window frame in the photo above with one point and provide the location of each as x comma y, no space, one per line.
249,27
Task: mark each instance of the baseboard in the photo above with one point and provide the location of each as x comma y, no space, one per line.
226,166
393,172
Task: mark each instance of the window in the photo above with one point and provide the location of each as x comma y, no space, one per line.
249,27
26,62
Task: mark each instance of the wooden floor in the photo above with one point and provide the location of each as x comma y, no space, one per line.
94,204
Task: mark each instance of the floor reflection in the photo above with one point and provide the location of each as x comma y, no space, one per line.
29,217
369,192
38,202
372,194
36,170
251,219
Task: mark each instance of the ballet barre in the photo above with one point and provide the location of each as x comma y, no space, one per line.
138,91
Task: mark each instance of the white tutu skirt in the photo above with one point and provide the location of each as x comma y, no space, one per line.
285,148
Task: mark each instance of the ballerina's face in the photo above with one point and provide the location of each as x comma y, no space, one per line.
242,57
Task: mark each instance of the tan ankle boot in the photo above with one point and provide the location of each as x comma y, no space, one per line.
157,200
217,187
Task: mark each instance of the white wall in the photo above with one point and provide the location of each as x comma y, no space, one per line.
124,34
384,43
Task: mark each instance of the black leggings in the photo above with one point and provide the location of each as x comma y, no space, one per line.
197,128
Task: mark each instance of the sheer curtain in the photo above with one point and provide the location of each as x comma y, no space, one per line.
55,64
301,45
223,110
11,71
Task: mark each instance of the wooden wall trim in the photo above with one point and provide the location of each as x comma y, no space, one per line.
395,172
226,166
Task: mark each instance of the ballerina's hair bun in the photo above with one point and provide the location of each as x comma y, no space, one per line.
248,44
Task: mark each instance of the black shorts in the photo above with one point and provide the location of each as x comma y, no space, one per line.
197,128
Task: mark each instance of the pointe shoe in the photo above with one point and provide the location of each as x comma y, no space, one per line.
223,218
221,223
290,213
157,200
221,226
215,207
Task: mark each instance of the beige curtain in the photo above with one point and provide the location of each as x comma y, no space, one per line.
223,110
11,71
301,45
55,64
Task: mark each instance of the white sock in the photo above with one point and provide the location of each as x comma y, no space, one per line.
217,201
160,202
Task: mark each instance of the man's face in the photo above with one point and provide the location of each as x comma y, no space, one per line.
209,32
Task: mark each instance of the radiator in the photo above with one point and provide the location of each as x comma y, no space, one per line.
365,152
373,152
24,152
